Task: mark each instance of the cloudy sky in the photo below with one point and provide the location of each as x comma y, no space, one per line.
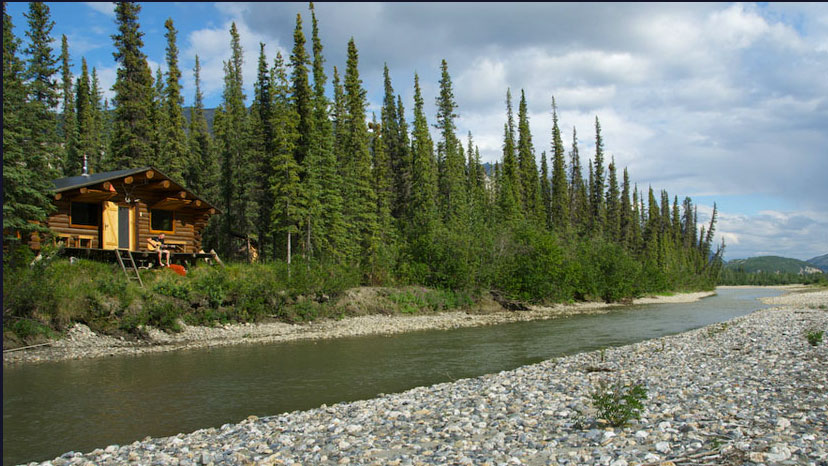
724,103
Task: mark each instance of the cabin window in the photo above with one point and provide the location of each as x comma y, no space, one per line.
85,215
161,220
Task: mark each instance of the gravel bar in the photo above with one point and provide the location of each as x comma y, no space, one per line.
751,390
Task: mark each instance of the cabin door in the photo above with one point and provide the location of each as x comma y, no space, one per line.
124,237
110,226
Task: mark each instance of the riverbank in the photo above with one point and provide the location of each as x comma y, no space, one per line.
751,390
81,343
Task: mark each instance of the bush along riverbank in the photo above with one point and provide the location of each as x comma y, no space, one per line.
43,299
751,390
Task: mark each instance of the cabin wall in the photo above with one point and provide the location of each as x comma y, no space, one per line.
59,223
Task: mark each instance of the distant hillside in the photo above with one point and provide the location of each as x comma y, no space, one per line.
209,114
772,264
820,262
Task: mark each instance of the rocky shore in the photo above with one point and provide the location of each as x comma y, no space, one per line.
81,343
751,390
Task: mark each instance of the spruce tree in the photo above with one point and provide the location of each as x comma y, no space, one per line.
578,199
69,119
546,192
452,175
232,134
25,188
287,212
261,149
101,123
612,227
85,141
509,199
382,181
175,155
596,191
560,188
43,91
360,203
132,123
202,172
331,226
527,166
626,214
423,168
160,122
395,146
339,114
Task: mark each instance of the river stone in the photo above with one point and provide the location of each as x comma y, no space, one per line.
663,447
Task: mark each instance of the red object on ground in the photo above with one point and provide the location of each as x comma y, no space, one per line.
178,269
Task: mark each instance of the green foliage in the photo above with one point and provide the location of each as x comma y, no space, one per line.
619,403
412,301
814,337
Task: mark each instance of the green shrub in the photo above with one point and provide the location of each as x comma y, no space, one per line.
163,314
619,403
27,328
815,337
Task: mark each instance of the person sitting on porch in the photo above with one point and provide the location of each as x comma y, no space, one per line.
162,247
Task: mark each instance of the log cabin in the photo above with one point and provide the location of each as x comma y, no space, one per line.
123,209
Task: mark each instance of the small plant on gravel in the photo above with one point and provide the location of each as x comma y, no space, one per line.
815,337
716,329
619,403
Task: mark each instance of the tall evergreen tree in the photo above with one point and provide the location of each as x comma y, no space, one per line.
527,166
69,120
286,190
175,154
560,203
84,143
331,225
452,176
102,123
159,121
25,188
509,192
232,135
613,206
43,90
262,141
202,172
626,214
423,167
360,203
596,191
546,192
395,147
132,124
382,180
578,199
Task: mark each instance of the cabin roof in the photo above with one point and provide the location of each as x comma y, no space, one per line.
81,181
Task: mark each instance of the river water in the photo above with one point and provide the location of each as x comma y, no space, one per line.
52,408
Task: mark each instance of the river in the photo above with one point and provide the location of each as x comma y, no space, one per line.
52,408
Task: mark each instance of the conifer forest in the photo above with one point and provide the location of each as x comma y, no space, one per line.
301,169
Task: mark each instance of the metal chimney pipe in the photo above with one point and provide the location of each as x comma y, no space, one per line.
85,166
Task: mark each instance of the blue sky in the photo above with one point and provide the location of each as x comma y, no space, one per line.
724,103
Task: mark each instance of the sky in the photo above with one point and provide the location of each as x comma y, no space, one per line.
723,102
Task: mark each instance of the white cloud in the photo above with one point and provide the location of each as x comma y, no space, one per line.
212,45
106,8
